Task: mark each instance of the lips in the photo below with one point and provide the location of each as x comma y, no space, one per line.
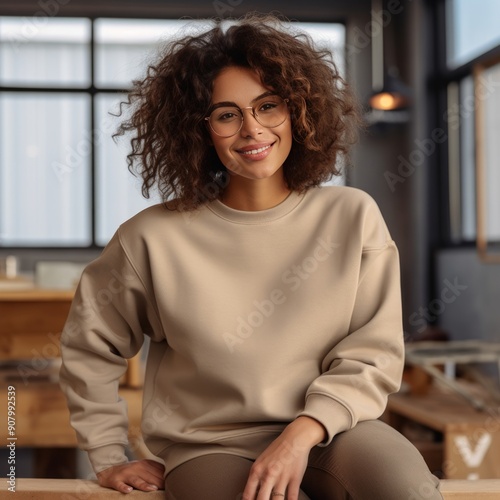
256,151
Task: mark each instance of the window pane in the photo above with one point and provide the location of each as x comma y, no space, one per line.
44,51
123,47
467,160
492,156
44,169
328,35
118,191
332,37
472,29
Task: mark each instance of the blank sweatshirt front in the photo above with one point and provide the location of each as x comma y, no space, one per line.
254,318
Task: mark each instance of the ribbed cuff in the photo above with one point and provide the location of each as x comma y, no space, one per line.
333,415
107,456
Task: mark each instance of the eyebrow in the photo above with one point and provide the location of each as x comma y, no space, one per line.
231,103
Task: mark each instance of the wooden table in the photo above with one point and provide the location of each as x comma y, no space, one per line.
470,447
31,322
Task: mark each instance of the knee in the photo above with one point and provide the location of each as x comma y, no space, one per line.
393,468
423,488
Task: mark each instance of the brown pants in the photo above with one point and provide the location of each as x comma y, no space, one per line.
372,461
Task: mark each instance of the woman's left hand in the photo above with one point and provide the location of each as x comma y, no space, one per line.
278,471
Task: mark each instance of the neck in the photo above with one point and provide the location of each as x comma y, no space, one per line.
254,194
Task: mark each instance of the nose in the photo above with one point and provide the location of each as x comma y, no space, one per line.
250,126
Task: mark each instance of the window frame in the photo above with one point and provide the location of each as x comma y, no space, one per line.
482,241
444,79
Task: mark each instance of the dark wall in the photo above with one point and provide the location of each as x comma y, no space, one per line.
313,10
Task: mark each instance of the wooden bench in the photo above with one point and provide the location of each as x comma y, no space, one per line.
76,489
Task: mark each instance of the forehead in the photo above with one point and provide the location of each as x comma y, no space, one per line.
238,85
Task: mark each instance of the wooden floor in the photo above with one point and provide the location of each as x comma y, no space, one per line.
51,489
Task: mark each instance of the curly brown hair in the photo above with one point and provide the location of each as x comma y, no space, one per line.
171,148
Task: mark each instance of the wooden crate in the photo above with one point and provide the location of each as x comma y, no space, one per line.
470,438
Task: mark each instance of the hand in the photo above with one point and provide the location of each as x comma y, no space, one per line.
281,467
144,475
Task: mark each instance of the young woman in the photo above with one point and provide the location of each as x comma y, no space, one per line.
272,304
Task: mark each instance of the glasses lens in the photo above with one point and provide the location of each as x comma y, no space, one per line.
271,111
226,121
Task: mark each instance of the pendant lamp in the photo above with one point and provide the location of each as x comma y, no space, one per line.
390,99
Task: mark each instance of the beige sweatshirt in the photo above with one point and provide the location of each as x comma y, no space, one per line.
254,318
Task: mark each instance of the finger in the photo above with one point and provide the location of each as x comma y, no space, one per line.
266,488
150,478
292,492
155,465
111,482
121,487
155,472
250,491
139,484
279,492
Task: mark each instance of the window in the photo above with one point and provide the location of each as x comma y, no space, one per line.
42,129
487,158
63,180
472,29
473,42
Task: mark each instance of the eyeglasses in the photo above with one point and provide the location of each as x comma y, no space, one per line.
270,112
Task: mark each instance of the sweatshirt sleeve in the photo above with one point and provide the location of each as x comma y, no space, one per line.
366,366
108,319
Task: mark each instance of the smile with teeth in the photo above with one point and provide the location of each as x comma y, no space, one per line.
256,151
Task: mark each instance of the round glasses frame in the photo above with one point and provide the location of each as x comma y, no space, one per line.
254,114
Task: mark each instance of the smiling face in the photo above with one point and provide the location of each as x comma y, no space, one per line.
256,151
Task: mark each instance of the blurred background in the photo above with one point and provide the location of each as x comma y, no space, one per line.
428,75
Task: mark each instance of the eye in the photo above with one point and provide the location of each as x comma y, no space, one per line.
267,106
226,115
